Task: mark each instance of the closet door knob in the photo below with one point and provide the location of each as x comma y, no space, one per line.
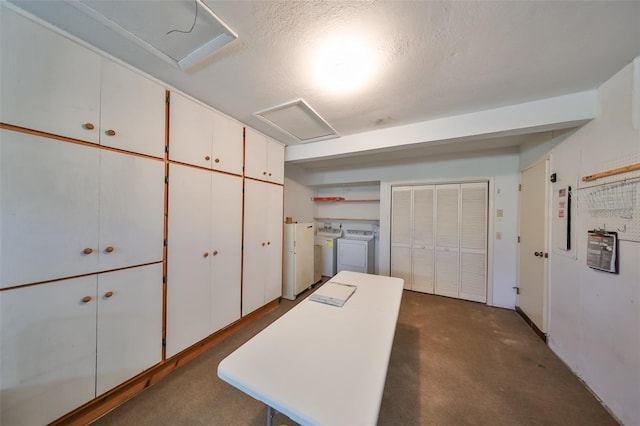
108,294
217,160
206,254
111,132
215,252
89,126
109,249
86,299
87,250
207,158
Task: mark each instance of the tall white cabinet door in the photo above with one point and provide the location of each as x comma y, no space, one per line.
48,209
132,114
227,150
447,234
401,234
423,239
129,324
275,161
48,82
226,249
256,261
255,160
274,225
131,210
48,340
473,242
190,131
188,285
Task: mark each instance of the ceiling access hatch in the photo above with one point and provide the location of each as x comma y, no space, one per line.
299,120
182,32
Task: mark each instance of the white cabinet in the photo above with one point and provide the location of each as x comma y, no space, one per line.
52,84
203,137
62,340
204,254
263,227
439,239
68,209
264,157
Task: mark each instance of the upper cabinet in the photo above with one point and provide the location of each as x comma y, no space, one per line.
54,85
264,157
203,137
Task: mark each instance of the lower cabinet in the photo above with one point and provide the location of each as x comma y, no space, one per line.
66,342
263,228
204,254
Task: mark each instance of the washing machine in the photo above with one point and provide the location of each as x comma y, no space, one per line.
326,239
356,251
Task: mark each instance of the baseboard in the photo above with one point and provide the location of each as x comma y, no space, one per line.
535,328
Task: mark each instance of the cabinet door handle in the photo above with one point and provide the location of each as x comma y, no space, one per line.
111,132
269,174
207,158
215,252
109,249
87,250
108,294
268,243
217,160
86,299
264,173
89,126
263,244
206,254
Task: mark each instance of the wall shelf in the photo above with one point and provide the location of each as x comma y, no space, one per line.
343,219
347,201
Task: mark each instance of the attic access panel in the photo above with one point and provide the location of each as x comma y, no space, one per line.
182,32
299,120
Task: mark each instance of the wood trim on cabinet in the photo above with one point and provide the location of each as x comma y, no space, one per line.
111,399
13,128
166,222
78,276
264,181
179,163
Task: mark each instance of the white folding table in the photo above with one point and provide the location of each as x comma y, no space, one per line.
321,364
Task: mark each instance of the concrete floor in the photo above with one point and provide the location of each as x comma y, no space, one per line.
453,363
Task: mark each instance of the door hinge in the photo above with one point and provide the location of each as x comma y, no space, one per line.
518,238
166,179
517,289
166,149
168,99
546,255
519,187
165,242
164,279
164,342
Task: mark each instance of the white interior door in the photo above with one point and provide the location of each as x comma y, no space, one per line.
532,297
447,236
401,221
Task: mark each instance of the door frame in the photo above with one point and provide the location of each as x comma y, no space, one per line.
384,255
543,330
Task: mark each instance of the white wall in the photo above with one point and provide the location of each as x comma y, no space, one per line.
297,201
594,323
500,167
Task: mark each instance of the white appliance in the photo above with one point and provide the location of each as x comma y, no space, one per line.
326,238
297,259
356,251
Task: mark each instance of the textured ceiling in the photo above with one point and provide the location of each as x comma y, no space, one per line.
437,58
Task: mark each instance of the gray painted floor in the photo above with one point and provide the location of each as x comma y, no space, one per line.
453,363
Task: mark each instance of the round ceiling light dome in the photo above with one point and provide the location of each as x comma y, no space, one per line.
344,64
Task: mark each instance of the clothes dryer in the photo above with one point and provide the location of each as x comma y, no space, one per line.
356,251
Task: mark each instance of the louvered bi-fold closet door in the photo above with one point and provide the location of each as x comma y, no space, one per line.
423,239
473,242
401,219
447,240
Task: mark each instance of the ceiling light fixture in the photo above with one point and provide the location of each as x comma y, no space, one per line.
344,64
